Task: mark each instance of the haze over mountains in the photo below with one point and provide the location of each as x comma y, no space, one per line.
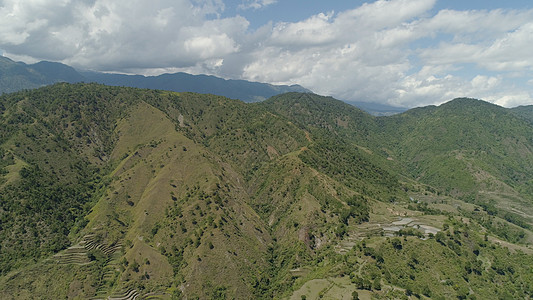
123,192
15,76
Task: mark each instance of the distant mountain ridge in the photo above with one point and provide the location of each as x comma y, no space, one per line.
377,109
16,76
246,91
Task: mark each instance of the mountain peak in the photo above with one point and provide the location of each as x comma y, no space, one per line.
57,71
4,59
467,102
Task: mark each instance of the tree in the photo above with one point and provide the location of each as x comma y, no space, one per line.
376,284
135,266
397,244
355,295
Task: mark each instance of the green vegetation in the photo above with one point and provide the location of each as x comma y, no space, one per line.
457,263
38,214
128,192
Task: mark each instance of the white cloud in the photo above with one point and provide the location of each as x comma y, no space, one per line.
206,47
255,4
382,14
119,35
352,55
511,52
314,31
399,52
506,51
511,98
481,82
371,54
484,24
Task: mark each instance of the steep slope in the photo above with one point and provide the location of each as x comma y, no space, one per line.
339,125
466,148
112,192
153,181
323,113
278,160
177,181
463,130
53,150
171,212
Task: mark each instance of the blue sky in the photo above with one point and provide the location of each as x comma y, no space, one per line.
286,11
398,52
296,10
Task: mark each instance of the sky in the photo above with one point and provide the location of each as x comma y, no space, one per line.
403,53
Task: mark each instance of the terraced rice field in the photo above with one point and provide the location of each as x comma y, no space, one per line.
371,229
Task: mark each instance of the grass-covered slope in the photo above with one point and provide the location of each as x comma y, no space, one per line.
162,203
170,179
54,144
123,193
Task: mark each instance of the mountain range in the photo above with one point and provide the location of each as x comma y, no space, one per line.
118,192
15,76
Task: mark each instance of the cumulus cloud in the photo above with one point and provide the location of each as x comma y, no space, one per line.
117,35
351,55
314,31
400,52
397,52
255,4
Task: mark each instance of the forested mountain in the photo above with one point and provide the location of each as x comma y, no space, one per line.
464,136
246,91
123,192
524,111
15,76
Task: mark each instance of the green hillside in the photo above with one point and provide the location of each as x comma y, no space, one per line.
472,150
113,192
524,111
470,134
